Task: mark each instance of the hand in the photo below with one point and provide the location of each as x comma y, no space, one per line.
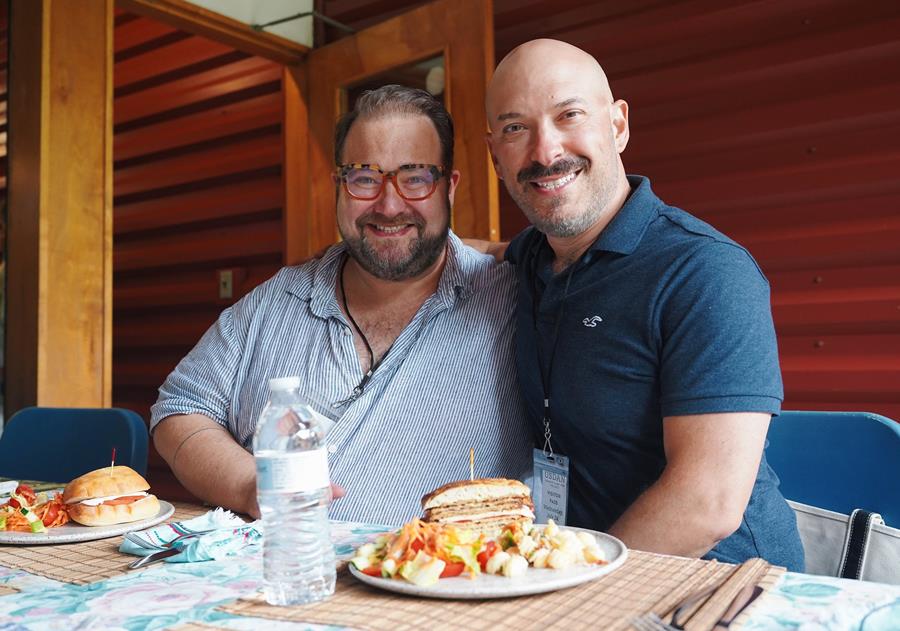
497,249
337,491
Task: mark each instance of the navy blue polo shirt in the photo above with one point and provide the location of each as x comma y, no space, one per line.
662,316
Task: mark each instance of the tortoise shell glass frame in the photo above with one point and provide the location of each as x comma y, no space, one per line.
413,182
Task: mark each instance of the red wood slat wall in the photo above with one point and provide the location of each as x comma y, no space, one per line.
4,67
198,189
777,122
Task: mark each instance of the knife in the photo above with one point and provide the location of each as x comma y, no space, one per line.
744,597
154,557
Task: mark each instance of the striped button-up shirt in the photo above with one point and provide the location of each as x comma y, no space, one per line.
447,384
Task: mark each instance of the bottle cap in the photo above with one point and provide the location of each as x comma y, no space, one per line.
284,383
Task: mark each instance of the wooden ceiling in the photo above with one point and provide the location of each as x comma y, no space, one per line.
515,21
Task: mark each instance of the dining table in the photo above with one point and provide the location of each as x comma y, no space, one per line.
87,585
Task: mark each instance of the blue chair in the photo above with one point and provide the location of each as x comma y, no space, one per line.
839,461
58,444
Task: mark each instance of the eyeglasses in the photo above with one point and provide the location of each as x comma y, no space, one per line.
413,182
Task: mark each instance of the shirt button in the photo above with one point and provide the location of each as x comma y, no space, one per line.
332,449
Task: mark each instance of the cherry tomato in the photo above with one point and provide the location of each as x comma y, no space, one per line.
14,502
417,545
453,569
26,493
373,570
51,513
490,548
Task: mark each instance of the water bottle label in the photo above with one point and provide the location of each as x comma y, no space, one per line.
303,471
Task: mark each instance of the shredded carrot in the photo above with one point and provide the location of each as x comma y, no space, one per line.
432,538
62,516
17,522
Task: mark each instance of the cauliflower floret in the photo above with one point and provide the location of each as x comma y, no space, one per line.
551,528
560,559
526,545
515,565
567,540
586,538
539,557
494,565
593,554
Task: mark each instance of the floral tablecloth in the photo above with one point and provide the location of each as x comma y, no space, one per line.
169,594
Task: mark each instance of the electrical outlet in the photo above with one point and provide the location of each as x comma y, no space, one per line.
226,283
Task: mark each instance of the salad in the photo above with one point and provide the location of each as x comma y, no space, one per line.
27,511
422,552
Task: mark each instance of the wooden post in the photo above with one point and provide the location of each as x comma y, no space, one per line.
59,315
295,169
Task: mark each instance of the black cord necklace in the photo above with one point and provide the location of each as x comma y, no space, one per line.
373,365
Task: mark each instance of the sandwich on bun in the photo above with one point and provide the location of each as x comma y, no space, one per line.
111,495
484,505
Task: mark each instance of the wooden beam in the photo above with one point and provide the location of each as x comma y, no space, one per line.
225,30
60,204
295,172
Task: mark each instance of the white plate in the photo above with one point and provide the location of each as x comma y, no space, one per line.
72,532
533,581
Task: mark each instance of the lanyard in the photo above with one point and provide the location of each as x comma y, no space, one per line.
546,376
373,365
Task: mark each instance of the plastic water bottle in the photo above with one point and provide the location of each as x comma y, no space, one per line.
293,491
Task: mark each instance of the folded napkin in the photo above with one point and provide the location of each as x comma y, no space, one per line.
228,535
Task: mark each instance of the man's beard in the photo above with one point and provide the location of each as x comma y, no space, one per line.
546,218
394,265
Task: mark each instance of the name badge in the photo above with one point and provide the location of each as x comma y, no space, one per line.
551,487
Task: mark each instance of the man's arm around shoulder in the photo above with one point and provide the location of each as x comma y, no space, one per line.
497,249
701,496
208,461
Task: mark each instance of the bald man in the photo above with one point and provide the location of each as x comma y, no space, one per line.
646,350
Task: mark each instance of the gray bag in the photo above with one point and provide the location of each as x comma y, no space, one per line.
857,546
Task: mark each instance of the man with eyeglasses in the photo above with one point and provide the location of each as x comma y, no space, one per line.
400,333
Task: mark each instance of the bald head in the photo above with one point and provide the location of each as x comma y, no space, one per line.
533,66
556,136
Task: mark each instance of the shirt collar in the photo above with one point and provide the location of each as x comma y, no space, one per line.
627,228
319,286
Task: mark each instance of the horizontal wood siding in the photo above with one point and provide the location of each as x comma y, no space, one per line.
198,189
777,122
4,67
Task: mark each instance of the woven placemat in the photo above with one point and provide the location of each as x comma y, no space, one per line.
646,582
83,562
6,589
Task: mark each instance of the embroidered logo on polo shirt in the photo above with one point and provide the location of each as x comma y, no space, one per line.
592,321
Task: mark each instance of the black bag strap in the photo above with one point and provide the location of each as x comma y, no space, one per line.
856,544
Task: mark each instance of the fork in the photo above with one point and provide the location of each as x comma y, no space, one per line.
650,621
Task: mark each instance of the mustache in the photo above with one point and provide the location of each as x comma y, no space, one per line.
396,220
562,166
